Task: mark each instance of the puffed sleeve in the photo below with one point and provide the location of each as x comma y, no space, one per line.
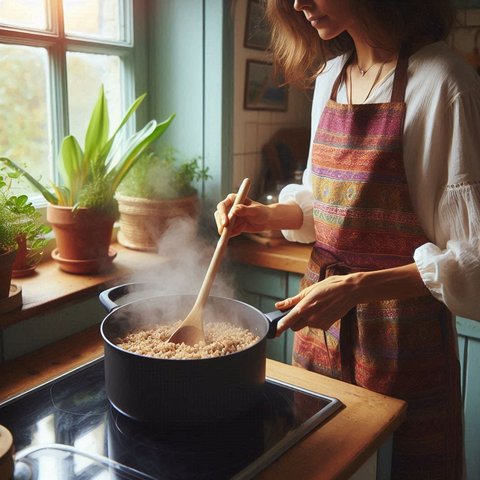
301,195
450,268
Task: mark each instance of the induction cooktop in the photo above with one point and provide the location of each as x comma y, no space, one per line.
67,429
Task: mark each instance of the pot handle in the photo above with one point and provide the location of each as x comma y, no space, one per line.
274,318
108,297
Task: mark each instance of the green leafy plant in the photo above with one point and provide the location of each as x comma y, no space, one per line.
92,175
19,218
163,175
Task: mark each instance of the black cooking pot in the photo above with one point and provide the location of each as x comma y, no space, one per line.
182,392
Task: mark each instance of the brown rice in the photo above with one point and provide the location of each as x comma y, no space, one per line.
220,339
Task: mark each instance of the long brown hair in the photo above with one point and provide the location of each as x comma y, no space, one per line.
301,54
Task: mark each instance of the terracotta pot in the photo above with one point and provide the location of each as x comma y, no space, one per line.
26,260
142,220
6,265
83,234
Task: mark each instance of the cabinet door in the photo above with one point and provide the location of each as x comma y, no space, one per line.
469,355
293,287
261,288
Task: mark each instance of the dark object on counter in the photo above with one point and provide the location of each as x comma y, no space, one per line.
284,153
182,393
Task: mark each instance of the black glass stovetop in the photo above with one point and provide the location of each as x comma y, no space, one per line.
67,429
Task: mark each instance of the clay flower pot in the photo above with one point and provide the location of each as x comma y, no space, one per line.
26,260
83,237
143,220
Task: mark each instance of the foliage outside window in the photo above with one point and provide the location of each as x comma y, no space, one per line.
54,55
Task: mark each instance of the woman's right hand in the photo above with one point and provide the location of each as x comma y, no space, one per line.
250,216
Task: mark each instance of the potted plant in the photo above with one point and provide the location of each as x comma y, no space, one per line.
158,188
31,238
9,229
19,223
82,208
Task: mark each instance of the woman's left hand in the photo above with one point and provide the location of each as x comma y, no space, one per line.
319,305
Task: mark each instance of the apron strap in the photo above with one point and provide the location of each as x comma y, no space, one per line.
401,76
399,81
340,78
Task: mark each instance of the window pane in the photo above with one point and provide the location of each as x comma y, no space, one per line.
86,72
24,117
93,18
24,13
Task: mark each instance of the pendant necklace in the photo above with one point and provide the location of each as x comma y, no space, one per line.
373,84
360,69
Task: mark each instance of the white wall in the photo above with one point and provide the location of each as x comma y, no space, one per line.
253,128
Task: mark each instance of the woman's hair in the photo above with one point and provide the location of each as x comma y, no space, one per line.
301,54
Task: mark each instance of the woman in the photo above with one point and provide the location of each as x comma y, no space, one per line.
391,198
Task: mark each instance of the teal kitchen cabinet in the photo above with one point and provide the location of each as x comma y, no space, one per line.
469,354
261,288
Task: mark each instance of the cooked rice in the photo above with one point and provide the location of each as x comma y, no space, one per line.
220,339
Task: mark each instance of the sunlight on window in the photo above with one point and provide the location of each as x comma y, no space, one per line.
95,48
24,13
95,18
24,113
86,72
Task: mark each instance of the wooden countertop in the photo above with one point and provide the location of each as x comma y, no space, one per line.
49,287
335,450
286,256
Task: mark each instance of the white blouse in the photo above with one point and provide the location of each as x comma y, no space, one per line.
442,165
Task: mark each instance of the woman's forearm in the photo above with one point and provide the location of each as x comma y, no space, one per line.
285,216
399,282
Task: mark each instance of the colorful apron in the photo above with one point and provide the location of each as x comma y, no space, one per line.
364,220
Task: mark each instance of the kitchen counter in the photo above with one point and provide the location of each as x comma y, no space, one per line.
335,450
285,256
49,287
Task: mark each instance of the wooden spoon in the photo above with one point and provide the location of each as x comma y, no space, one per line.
190,331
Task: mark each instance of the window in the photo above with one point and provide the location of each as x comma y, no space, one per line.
54,55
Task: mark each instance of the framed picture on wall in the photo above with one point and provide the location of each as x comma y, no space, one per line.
257,32
262,91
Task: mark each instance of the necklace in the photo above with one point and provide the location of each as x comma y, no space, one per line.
360,69
373,84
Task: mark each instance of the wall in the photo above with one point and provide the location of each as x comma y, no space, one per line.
190,75
464,33
252,128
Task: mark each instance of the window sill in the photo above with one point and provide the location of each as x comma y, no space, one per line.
50,287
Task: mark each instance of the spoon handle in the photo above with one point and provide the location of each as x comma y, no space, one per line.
221,246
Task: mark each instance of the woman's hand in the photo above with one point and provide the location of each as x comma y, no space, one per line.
253,217
250,216
319,305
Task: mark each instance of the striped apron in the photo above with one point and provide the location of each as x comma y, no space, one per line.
364,220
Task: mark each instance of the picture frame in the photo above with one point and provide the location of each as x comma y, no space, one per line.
262,90
257,32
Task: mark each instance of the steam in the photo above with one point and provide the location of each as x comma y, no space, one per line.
187,256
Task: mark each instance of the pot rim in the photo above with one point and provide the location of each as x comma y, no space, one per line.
202,360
